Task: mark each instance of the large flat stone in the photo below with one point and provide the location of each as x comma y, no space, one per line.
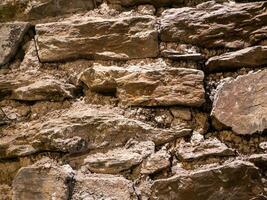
43,180
98,38
11,36
236,180
78,129
212,25
249,57
103,186
241,103
148,85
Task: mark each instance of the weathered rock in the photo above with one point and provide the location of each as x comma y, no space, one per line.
235,180
33,87
98,38
203,149
156,162
38,10
79,128
260,160
118,160
175,55
43,180
242,103
99,186
46,89
143,86
156,3
211,25
11,36
249,57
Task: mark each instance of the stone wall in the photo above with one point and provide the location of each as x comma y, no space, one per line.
133,99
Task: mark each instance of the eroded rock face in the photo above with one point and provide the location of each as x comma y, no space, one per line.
212,25
98,38
37,10
43,180
235,180
78,129
98,186
249,57
117,160
203,149
144,86
136,2
241,103
11,36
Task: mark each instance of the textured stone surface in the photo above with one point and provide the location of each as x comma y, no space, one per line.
118,160
11,36
100,186
236,180
80,128
212,25
38,10
204,149
241,103
98,38
145,86
249,57
43,180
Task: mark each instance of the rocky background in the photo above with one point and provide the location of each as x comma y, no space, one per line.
133,100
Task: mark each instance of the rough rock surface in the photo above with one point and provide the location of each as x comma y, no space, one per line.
120,159
11,36
242,104
98,38
97,186
212,25
147,86
43,180
249,57
236,180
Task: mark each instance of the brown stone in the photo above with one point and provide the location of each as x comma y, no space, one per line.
249,57
146,86
235,180
43,180
211,25
11,36
97,38
241,103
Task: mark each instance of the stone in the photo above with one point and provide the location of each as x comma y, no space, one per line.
43,180
100,38
103,186
11,37
175,55
146,9
156,3
212,25
211,147
156,162
255,56
38,10
146,86
78,129
234,180
120,159
260,160
241,103
46,89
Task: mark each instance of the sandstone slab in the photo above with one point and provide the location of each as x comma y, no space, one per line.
203,149
99,186
98,38
210,25
249,57
80,128
235,180
146,86
43,180
241,103
11,36
121,159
